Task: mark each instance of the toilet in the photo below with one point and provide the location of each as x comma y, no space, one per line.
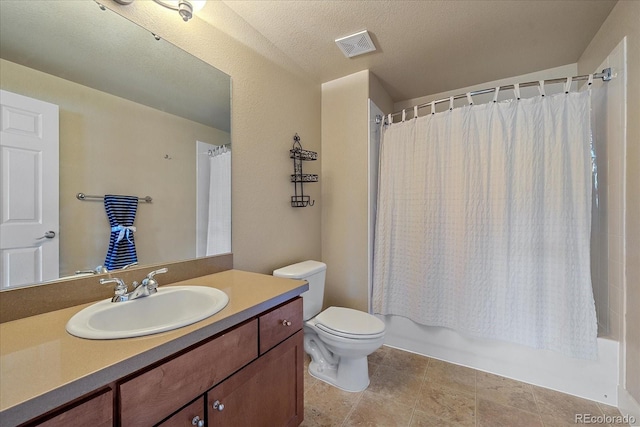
338,339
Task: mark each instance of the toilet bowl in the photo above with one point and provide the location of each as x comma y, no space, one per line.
338,339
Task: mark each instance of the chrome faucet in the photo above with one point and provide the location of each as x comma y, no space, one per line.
147,287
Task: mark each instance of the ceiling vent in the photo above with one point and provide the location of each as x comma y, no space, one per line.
356,44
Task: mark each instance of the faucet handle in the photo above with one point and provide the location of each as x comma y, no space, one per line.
150,282
159,271
121,287
133,264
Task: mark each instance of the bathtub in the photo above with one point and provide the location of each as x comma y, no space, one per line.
595,380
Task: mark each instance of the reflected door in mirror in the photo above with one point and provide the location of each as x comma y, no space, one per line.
29,176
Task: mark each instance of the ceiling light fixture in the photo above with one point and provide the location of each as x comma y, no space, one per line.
185,8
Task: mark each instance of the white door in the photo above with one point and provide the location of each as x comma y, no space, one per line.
29,190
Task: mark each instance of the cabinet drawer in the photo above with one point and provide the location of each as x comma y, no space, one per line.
97,411
279,324
157,393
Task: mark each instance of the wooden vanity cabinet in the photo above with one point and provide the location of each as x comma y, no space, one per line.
254,388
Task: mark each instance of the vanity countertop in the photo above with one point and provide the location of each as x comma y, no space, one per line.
42,366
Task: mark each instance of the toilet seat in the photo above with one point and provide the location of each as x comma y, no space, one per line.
349,323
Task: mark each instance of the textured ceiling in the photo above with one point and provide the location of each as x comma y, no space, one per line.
426,47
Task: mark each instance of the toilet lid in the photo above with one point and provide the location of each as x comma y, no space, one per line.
346,321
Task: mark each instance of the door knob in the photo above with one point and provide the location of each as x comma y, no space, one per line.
48,235
196,421
217,405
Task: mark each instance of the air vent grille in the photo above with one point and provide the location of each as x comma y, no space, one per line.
356,44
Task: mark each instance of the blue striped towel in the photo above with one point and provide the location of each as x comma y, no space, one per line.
121,211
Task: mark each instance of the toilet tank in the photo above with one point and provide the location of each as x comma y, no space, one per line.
313,272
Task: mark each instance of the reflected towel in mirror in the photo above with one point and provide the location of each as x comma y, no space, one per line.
121,211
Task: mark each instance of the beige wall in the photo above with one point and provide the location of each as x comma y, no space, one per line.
270,104
623,21
378,95
109,145
345,185
345,190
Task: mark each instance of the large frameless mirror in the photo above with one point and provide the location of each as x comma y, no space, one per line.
137,116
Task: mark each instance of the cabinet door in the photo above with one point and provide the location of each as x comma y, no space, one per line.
96,412
189,416
266,393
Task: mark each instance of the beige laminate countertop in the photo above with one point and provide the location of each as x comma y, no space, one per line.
42,366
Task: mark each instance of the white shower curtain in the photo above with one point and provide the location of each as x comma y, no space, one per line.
483,222
219,225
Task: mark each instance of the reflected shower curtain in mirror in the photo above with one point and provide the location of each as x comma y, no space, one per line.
483,222
219,225
121,211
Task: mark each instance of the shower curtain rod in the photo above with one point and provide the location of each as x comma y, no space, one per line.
605,75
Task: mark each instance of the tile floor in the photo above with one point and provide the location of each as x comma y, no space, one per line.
411,390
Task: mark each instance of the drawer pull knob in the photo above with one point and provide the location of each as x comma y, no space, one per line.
218,406
286,322
196,421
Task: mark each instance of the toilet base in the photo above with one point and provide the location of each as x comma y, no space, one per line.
348,374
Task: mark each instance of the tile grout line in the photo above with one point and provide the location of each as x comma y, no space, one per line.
357,402
353,408
535,400
475,393
422,385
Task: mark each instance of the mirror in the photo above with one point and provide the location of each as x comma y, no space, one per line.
132,109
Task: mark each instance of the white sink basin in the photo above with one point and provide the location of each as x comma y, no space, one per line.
172,307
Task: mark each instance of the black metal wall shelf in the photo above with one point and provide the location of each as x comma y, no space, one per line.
299,200
305,177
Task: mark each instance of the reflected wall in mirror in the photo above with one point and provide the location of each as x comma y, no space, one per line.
131,110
